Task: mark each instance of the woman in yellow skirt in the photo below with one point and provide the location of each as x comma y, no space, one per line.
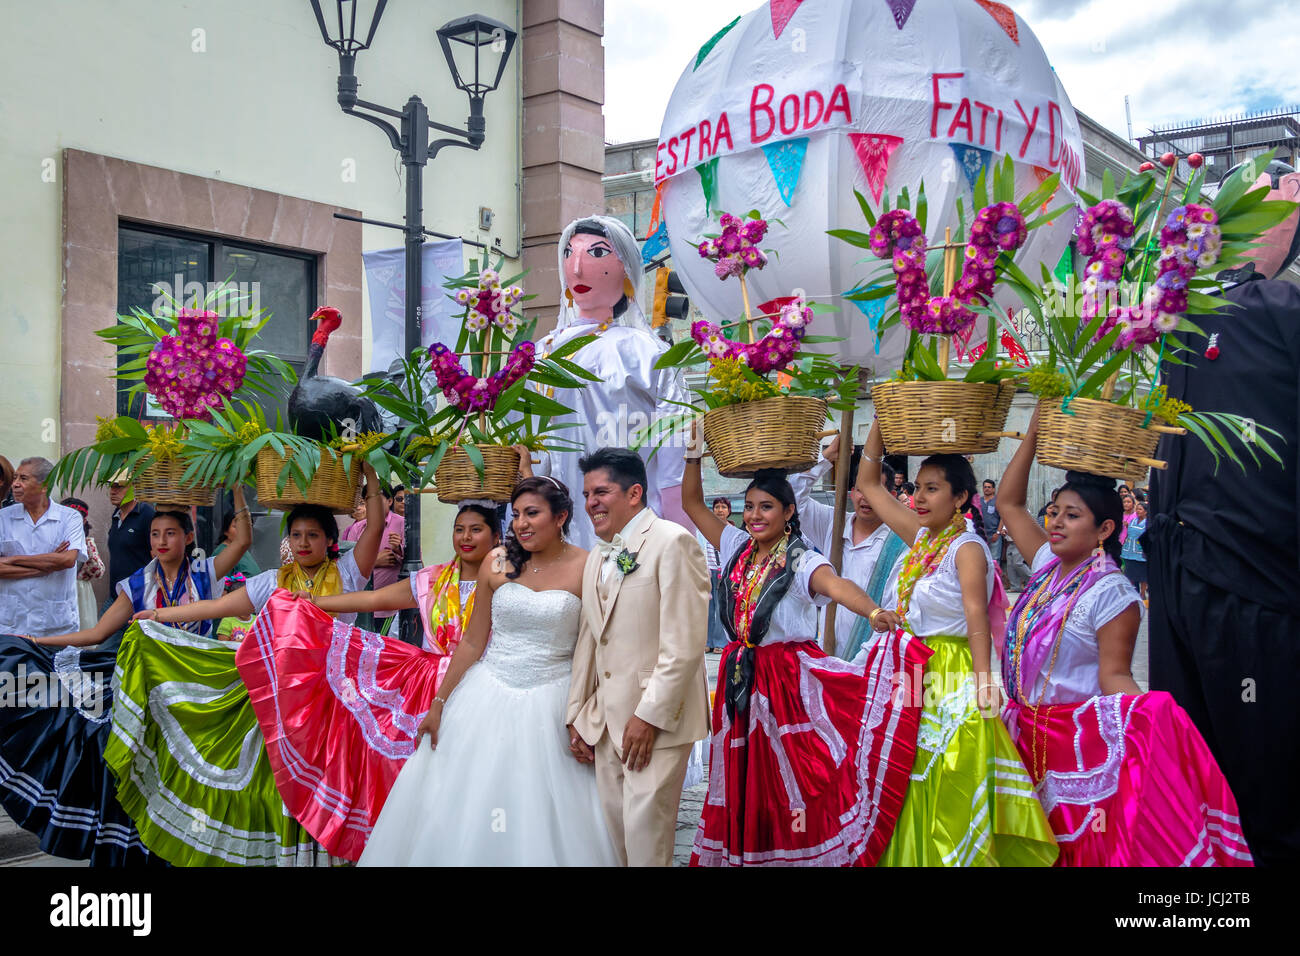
971,801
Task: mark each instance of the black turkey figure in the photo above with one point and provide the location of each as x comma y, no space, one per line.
320,404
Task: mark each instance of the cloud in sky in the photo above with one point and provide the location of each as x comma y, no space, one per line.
1177,60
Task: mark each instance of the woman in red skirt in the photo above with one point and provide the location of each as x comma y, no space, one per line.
810,754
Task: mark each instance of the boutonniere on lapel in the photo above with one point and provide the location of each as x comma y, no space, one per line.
626,562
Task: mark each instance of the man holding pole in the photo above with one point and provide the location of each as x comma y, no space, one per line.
871,553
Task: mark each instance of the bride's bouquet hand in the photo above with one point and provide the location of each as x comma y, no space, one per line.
432,721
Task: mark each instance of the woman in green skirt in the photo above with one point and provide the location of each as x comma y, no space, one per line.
970,801
186,748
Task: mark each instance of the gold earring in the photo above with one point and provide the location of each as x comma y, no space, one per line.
1101,549
569,295
627,288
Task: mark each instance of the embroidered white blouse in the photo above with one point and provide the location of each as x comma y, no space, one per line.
1074,676
936,606
795,617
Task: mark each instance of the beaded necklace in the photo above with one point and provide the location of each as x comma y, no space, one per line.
922,559
1042,599
749,580
170,594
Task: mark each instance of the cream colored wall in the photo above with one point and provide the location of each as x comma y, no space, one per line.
238,90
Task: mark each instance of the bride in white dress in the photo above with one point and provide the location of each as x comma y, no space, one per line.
494,784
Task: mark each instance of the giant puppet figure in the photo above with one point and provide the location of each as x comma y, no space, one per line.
600,267
1224,554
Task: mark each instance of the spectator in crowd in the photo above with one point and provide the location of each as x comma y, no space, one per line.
717,635
388,565
128,533
245,565
1127,500
90,570
986,503
899,478
6,481
1135,560
399,501
41,543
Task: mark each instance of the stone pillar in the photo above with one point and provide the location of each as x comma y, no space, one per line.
563,134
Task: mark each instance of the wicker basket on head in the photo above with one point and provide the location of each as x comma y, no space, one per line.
783,432
330,487
456,478
938,418
161,483
1097,437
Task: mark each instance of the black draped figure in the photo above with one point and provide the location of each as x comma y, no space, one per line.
1223,549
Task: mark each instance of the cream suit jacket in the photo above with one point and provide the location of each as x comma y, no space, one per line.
642,650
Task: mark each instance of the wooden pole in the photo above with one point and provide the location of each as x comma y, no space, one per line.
749,319
949,267
838,517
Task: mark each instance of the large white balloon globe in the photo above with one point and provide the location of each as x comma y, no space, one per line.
849,84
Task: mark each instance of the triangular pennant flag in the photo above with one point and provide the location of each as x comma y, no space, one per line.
655,245
873,309
782,11
656,209
1005,17
971,159
709,181
901,9
786,161
874,150
713,41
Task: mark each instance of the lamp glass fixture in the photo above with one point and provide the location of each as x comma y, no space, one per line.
477,49
350,27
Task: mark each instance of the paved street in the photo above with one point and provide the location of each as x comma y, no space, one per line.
19,848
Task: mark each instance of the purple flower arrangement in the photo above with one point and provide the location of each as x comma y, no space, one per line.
897,235
1190,240
471,393
772,353
191,372
735,251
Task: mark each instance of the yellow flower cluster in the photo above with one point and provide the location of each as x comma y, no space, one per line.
904,374
365,442
165,441
107,428
249,431
1045,381
732,386
1166,408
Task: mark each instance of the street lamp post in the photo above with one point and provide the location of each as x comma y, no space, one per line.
476,49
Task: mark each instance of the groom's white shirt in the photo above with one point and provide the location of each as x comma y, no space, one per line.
619,541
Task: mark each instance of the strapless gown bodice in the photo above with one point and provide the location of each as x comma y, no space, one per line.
533,635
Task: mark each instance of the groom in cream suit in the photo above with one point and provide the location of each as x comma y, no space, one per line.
639,697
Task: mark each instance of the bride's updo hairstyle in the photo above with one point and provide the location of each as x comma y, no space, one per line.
556,496
772,481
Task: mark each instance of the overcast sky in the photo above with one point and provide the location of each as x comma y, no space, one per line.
1176,59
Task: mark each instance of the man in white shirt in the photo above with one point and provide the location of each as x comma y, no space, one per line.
41,544
866,539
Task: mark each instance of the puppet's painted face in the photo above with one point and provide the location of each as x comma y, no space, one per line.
593,274
1272,255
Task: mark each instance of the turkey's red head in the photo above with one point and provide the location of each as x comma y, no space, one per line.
329,321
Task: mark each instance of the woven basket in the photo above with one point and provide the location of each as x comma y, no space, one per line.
160,483
1097,437
938,418
780,432
457,479
330,487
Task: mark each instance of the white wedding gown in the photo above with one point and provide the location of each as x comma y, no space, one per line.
502,788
